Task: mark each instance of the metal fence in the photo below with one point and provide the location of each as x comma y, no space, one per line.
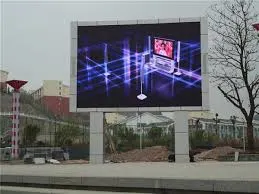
47,135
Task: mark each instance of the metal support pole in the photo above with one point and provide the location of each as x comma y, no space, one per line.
55,132
244,140
217,121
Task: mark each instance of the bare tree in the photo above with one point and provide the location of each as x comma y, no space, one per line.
234,57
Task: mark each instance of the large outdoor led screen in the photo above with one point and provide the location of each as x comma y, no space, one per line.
139,65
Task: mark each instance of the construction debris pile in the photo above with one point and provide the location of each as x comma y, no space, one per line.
215,153
75,162
149,154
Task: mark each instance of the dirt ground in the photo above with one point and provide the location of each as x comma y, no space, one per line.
149,154
215,153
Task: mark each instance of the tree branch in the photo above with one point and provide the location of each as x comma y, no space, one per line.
231,98
256,93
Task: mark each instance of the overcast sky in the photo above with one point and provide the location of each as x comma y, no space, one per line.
36,35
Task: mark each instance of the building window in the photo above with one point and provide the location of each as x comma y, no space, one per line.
60,93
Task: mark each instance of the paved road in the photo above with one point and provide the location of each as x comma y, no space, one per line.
204,170
24,190
142,177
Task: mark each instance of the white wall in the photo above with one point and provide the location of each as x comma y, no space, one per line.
51,87
114,118
65,91
55,88
144,118
3,76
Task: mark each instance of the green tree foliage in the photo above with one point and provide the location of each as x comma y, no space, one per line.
6,141
199,138
155,134
127,139
67,134
30,133
170,138
156,137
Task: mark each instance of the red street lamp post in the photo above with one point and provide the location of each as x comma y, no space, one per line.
256,27
16,85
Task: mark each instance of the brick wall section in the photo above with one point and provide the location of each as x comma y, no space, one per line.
57,105
3,86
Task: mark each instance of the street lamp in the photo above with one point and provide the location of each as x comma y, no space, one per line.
16,85
233,120
256,27
217,121
197,123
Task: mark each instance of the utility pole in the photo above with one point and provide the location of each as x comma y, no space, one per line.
244,140
55,138
140,130
216,121
233,120
24,134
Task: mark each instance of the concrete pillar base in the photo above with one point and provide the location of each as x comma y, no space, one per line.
96,138
181,137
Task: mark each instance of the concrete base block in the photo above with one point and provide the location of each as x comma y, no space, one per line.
96,159
39,160
96,138
181,137
182,158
